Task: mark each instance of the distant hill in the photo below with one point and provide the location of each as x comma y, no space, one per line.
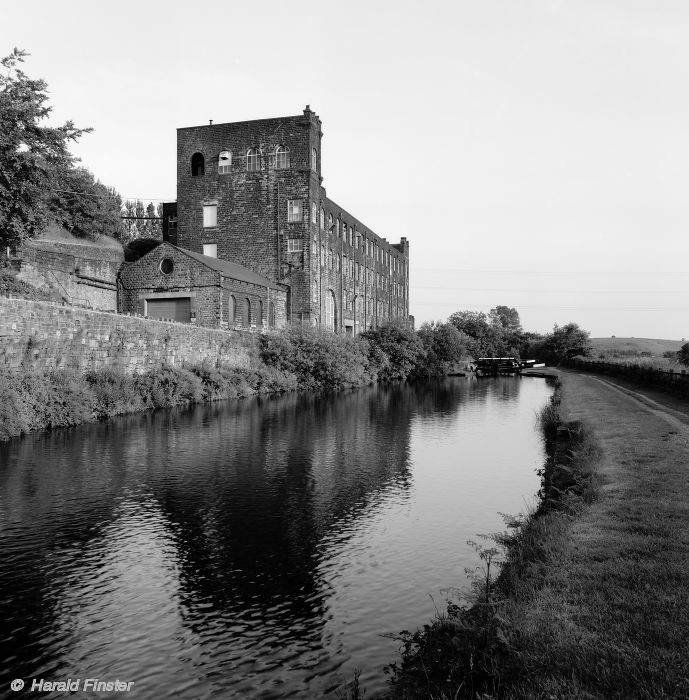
634,346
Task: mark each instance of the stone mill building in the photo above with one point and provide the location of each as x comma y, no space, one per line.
251,194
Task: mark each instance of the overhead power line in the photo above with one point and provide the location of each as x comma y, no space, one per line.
567,308
109,196
554,291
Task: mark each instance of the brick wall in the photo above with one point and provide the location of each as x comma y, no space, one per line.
43,335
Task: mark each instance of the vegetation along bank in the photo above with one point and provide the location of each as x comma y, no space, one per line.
592,595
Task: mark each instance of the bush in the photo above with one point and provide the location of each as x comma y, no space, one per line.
318,360
402,347
115,393
168,386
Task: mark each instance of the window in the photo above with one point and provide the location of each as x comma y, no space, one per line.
314,292
294,210
210,215
231,309
330,259
197,165
322,217
282,157
248,318
210,249
166,266
295,245
260,312
322,256
253,160
337,228
330,310
224,163
271,314
314,213
314,159
314,250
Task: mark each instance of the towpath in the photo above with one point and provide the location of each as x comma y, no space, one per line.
614,610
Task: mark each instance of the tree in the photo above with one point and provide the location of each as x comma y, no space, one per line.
505,318
683,355
564,342
32,154
84,206
394,349
486,339
444,346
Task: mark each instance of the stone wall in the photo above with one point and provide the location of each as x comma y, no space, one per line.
81,275
44,336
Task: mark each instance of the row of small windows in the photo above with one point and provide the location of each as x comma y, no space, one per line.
362,304
295,214
253,157
355,239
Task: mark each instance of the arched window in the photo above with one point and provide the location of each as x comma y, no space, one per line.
314,159
231,309
330,223
337,228
197,165
246,320
253,159
271,314
224,163
322,256
322,217
260,312
282,157
330,310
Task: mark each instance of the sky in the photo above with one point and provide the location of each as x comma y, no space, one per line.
534,153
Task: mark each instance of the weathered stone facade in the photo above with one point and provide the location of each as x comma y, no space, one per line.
81,275
44,336
220,294
254,190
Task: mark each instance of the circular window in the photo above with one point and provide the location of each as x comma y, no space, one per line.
166,266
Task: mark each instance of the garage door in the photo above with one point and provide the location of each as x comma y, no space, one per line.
178,309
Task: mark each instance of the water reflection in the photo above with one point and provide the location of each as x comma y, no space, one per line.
251,548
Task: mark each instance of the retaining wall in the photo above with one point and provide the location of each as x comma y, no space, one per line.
44,336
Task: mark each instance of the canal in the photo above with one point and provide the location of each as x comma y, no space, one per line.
255,548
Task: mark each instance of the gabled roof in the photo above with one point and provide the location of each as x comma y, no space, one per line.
230,269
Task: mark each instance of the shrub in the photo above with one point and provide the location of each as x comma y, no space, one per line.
168,386
402,346
317,359
115,393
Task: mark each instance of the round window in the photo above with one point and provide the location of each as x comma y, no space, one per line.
166,266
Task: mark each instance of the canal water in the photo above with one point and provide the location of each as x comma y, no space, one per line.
257,548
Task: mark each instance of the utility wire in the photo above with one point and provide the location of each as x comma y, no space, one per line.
555,291
571,308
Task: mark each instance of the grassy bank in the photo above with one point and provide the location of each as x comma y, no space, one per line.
491,643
